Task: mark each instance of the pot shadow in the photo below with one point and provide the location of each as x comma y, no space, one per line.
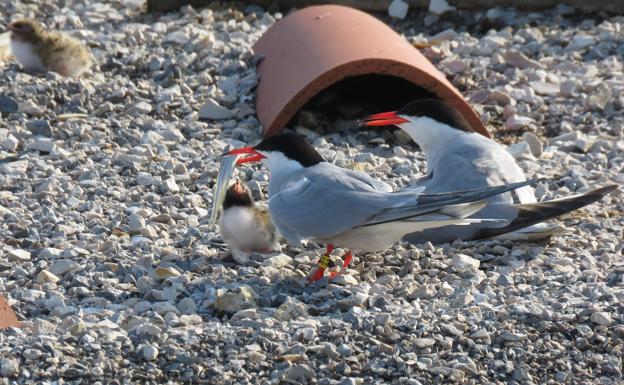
338,107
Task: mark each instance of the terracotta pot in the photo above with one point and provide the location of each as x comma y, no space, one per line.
316,47
7,317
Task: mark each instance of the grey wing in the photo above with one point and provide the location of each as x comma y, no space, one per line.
311,209
372,182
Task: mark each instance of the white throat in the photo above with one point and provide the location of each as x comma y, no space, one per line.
281,168
430,134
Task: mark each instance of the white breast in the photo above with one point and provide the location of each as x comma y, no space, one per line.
240,228
25,55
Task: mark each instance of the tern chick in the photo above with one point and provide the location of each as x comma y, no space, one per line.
38,50
245,225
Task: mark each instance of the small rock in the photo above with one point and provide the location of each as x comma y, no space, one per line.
583,144
300,374
187,306
463,262
140,108
40,127
544,88
63,266
161,273
18,255
213,110
31,108
580,41
291,309
278,261
170,185
569,87
50,253
10,143
135,223
438,7
454,66
601,318
8,105
424,342
398,9
534,143
599,98
45,276
520,150
501,98
516,122
150,353
235,300
41,144
9,367
519,60
18,167
177,37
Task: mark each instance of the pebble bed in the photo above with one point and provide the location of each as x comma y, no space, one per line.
109,260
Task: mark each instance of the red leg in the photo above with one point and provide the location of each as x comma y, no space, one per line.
346,261
323,263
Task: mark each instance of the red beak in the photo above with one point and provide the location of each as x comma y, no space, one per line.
383,119
254,156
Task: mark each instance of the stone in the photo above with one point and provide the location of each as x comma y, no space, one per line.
291,309
438,7
278,261
63,266
534,143
135,223
139,108
18,255
517,59
9,367
454,66
42,144
10,143
50,253
599,97
580,41
234,300
516,122
187,306
31,108
500,97
171,185
398,9
8,105
544,88
424,342
583,144
601,318
214,111
40,127
150,353
17,167
45,276
161,273
569,87
463,262
520,150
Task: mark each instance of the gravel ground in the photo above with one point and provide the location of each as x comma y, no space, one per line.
108,259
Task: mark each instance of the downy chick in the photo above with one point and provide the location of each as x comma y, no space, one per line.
245,225
38,50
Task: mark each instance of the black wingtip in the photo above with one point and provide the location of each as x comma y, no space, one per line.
532,213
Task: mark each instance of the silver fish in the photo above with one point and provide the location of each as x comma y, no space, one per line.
226,170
